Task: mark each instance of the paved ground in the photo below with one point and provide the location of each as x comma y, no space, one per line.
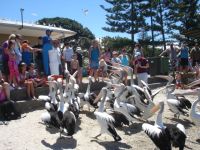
30,134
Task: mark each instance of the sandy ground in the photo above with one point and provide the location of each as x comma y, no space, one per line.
30,134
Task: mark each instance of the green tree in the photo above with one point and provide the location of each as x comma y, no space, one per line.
116,43
183,15
124,16
71,25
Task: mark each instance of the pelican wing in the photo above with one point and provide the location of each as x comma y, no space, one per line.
174,102
104,117
132,110
81,95
160,137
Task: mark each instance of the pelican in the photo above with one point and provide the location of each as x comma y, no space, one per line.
64,122
120,119
89,97
179,105
131,112
194,114
51,101
165,137
105,120
63,118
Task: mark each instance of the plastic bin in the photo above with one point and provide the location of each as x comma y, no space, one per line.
154,65
164,65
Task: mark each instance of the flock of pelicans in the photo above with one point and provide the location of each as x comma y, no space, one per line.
127,104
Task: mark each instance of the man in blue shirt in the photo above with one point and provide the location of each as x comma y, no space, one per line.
47,45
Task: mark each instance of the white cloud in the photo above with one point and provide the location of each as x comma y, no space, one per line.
34,14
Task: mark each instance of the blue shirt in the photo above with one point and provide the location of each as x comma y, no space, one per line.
124,60
184,52
46,39
95,54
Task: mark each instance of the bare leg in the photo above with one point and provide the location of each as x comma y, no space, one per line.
91,72
28,90
95,75
80,76
32,90
7,90
15,82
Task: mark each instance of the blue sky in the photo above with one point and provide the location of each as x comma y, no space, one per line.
34,10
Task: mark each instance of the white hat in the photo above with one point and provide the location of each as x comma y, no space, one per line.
137,54
78,49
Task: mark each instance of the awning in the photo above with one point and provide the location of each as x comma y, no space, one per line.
32,30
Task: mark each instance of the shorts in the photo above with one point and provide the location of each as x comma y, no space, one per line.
184,62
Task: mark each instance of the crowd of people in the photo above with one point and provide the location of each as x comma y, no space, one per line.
183,60
26,66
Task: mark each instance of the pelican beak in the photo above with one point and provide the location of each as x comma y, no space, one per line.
186,92
168,78
194,83
98,97
75,73
155,108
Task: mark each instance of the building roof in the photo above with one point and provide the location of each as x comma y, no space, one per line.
33,30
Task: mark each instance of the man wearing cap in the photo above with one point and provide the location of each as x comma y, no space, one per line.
47,45
141,66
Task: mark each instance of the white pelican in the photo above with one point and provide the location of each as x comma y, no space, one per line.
64,122
120,119
63,118
165,137
131,112
105,120
51,101
179,105
194,114
89,97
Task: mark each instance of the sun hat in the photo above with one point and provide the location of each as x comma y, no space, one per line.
12,36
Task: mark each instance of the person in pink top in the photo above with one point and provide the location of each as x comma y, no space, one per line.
107,55
12,64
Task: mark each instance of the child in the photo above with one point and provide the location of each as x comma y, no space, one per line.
103,69
27,83
12,64
33,74
74,65
179,84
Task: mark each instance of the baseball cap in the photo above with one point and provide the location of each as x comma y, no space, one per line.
137,54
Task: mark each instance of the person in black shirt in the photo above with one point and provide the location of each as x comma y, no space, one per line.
80,60
38,59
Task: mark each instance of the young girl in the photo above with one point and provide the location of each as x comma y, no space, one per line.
12,64
103,69
25,82
33,74
74,65
179,84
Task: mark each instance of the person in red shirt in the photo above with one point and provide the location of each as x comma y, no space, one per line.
141,68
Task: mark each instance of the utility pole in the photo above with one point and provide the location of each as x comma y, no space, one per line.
22,10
